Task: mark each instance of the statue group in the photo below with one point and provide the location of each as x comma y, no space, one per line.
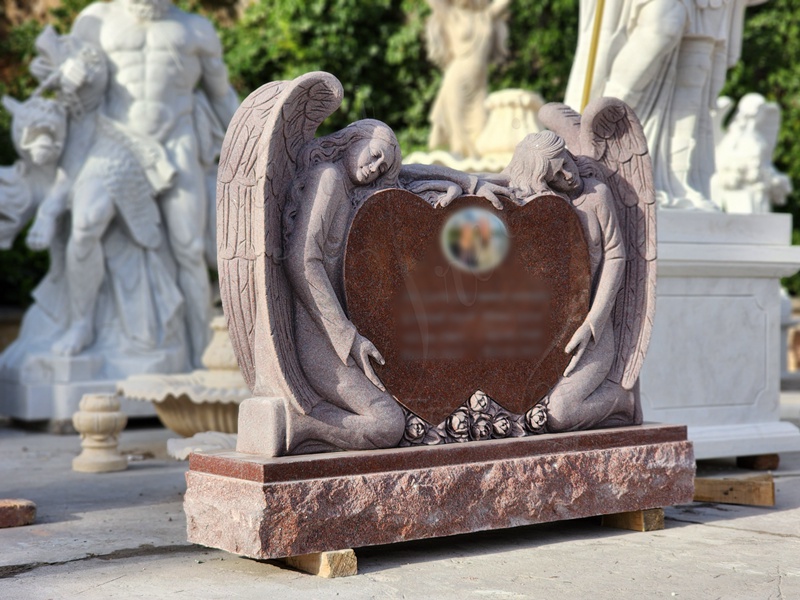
286,206
117,158
668,60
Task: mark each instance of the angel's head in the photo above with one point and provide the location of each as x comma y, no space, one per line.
373,153
542,163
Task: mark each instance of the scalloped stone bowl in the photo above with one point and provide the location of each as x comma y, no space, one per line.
204,400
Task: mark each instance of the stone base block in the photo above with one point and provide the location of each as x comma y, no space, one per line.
278,507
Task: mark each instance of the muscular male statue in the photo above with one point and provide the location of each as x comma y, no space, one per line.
157,56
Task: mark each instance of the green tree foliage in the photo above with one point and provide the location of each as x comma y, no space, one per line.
377,50
770,65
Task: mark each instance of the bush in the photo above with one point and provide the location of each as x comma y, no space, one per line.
376,49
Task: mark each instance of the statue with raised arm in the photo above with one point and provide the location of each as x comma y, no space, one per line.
668,60
464,37
157,57
90,188
599,163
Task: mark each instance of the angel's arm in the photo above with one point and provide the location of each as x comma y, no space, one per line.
305,258
488,185
658,30
612,267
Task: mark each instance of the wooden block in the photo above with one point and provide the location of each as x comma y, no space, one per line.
750,490
14,513
338,563
761,462
651,519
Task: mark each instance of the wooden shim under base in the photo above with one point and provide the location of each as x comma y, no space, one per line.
651,519
337,563
760,462
750,490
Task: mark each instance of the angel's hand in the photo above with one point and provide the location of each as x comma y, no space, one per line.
452,192
578,344
361,351
491,191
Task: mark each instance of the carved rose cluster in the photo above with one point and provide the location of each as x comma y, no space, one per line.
479,418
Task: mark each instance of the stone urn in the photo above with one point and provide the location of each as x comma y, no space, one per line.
203,400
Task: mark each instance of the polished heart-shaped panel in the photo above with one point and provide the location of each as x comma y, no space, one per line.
467,297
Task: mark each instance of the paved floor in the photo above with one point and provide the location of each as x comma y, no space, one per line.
122,535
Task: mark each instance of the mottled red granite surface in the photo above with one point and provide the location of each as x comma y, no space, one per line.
540,292
270,508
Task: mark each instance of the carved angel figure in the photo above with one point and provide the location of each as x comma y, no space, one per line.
600,164
464,37
285,203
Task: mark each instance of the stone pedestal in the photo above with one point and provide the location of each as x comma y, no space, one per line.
277,507
49,388
714,357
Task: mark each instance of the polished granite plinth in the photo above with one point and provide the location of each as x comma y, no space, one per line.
277,507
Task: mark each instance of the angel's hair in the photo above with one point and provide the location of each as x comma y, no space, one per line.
527,171
333,148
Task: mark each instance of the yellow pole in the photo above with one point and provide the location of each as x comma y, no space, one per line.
587,84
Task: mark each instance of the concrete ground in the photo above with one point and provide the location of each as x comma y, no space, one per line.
122,535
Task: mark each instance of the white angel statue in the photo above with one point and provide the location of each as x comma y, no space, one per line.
464,37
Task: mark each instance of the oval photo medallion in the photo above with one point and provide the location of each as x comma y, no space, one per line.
475,240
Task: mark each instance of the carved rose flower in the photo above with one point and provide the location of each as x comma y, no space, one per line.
536,418
478,402
415,428
481,429
457,425
501,425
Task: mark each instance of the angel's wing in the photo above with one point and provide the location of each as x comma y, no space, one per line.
258,162
611,134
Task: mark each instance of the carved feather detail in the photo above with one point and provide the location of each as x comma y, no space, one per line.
258,163
611,134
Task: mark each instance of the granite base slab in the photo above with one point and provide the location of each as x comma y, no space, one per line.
276,507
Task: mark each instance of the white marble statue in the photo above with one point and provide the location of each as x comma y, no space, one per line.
119,196
746,181
464,37
39,130
95,211
668,60
157,56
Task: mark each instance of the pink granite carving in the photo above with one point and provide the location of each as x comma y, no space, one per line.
270,508
286,201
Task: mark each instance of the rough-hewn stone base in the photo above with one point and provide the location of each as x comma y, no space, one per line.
277,507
